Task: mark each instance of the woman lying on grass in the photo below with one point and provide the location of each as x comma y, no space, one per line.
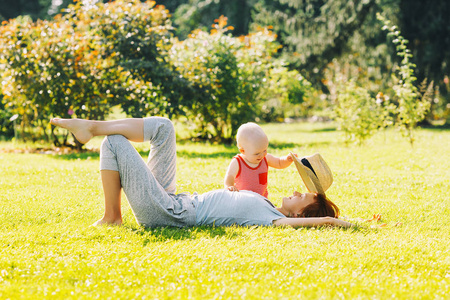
150,187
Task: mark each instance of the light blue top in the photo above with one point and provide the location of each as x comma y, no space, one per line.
225,208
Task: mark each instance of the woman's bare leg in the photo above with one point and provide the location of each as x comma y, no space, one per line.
84,130
112,191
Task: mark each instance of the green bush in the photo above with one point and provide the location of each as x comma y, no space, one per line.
51,70
286,94
6,126
85,62
358,114
412,104
222,78
137,38
236,80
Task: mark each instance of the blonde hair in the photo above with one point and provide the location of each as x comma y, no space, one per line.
247,131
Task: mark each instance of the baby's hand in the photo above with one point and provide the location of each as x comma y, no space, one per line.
290,158
232,188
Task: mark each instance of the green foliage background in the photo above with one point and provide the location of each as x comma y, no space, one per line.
95,57
104,55
319,37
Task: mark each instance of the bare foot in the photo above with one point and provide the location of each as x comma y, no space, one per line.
81,129
103,222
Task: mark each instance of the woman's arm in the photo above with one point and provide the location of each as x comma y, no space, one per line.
309,222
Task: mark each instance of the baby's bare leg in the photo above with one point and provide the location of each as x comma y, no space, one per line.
112,191
84,130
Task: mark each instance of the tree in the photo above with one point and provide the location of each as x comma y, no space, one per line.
313,32
36,9
189,15
425,24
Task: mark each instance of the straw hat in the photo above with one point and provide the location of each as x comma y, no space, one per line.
315,172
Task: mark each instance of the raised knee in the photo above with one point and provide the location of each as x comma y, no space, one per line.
111,140
165,126
158,129
168,124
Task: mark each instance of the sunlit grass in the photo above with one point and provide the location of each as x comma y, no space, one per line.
48,250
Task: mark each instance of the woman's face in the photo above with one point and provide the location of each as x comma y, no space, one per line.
295,204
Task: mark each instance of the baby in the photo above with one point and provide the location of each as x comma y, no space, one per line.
248,170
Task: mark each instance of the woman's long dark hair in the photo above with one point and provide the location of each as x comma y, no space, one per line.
322,207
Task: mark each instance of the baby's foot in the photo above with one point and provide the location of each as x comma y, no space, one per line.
81,129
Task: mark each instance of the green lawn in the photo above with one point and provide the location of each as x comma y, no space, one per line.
49,250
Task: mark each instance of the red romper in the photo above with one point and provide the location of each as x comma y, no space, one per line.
252,179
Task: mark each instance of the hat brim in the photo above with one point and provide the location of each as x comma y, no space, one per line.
308,177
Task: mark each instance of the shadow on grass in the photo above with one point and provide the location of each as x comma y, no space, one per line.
310,130
88,155
163,234
281,145
144,153
78,155
443,127
326,129
191,154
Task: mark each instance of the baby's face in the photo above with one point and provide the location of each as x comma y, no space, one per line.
255,152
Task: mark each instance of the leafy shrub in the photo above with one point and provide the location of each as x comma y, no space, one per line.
137,37
359,115
51,73
234,79
412,104
6,126
286,94
224,78
82,64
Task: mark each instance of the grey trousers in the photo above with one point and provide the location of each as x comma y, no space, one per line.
150,187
